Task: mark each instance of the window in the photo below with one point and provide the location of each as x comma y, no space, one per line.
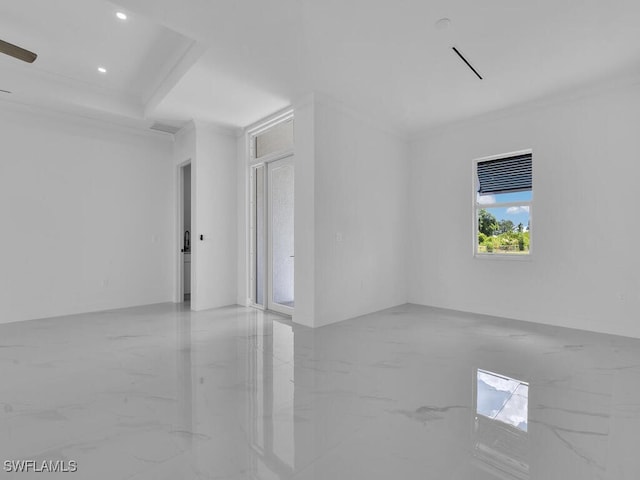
503,196
275,139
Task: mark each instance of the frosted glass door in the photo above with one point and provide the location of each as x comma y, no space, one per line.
281,256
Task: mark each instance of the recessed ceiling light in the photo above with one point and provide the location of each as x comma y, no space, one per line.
121,15
443,23
102,70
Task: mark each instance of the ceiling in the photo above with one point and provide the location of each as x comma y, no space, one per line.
232,62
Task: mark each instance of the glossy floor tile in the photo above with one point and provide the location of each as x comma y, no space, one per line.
163,393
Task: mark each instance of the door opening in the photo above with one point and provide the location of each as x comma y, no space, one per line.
272,235
271,232
185,248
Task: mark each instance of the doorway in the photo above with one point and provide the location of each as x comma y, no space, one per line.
185,240
272,232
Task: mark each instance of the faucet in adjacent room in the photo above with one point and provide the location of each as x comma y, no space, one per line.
187,241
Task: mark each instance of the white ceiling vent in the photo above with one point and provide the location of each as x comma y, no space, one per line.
163,127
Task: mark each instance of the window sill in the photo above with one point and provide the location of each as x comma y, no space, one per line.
502,256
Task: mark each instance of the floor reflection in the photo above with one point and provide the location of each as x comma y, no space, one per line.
185,377
502,399
270,373
501,442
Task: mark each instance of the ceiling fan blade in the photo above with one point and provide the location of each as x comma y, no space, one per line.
17,52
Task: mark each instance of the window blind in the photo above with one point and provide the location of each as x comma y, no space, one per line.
511,174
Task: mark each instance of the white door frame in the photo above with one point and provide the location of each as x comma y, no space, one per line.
252,231
180,232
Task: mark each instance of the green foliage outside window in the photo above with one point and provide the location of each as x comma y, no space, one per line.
501,236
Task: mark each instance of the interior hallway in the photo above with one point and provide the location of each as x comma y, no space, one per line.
160,392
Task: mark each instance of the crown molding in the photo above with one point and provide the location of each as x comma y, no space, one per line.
131,127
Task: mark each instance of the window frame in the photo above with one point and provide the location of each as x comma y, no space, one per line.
476,207
253,133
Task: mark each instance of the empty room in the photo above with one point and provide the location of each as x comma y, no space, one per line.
319,240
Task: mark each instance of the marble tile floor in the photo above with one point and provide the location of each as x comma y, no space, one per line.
160,392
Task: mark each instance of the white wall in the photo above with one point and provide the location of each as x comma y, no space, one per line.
584,272
304,212
186,195
184,147
86,212
242,194
214,215
361,214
